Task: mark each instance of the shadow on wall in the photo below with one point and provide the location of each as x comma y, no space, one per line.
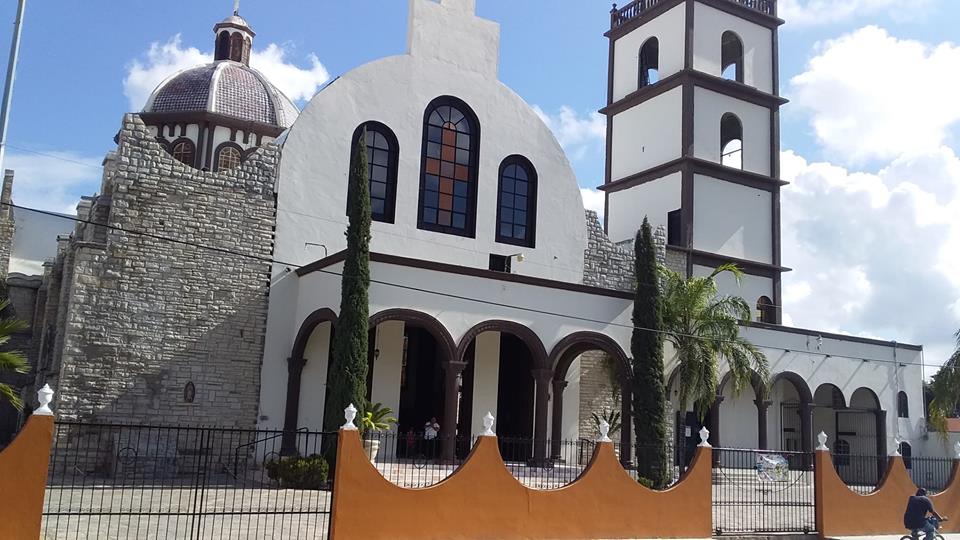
482,499
842,512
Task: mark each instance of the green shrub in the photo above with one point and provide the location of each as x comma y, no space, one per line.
645,482
299,472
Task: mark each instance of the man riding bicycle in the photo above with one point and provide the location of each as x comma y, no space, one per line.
915,517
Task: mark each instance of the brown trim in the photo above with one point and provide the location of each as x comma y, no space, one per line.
201,135
652,13
686,213
569,348
420,320
521,332
746,13
644,94
199,117
688,41
531,210
696,166
798,382
829,335
295,365
735,176
226,144
737,90
309,324
754,268
643,177
706,81
467,271
208,158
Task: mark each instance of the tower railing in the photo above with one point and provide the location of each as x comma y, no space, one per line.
632,10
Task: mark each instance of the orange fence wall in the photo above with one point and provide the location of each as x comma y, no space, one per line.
483,500
842,512
23,477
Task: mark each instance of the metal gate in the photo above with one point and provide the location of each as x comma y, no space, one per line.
139,481
762,491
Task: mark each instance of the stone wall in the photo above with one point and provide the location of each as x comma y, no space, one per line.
596,391
174,291
676,260
7,225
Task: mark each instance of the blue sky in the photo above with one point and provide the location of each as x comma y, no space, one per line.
869,143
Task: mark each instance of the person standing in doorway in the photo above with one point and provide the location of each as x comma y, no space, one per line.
431,430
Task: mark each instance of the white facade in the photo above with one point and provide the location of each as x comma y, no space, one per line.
710,24
710,108
668,29
647,135
654,199
732,220
312,188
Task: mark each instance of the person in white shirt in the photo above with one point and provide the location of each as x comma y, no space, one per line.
430,432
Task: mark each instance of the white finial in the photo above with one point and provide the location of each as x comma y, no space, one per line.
822,439
488,425
896,447
704,435
236,7
44,396
349,414
956,449
604,432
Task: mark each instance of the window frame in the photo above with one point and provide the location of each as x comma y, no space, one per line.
723,119
903,405
393,161
643,79
473,172
193,150
767,310
739,62
530,240
220,148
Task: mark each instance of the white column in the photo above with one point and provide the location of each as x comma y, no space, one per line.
388,364
313,382
571,403
486,372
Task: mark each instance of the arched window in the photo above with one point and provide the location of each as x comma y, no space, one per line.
649,63
731,141
448,180
183,152
236,47
228,157
731,57
903,408
906,451
767,312
382,156
223,45
517,202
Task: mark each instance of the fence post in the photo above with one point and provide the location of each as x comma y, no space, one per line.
821,461
23,473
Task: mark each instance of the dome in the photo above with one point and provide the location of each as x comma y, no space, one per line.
227,88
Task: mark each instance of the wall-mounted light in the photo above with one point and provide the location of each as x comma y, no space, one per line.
308,244
518,256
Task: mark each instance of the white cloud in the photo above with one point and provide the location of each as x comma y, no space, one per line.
54,181
593,200
874,254
164,59
577,134
815,12
874,96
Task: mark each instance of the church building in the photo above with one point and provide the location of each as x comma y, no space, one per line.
492,289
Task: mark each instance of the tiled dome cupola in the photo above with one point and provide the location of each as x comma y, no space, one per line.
212,116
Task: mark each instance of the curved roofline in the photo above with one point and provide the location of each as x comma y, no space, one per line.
275,95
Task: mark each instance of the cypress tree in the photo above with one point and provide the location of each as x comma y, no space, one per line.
348,363
646,348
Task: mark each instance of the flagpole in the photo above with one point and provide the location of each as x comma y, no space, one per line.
11,72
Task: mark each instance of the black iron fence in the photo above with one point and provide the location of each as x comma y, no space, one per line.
139,481
762,491
863,473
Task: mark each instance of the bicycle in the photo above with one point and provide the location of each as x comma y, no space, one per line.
915,535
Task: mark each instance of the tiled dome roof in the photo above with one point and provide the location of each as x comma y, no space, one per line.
224,87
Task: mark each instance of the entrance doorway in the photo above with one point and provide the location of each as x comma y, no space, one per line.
421,383
515,398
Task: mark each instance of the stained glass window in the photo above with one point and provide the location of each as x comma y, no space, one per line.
448,188
382,155
516,200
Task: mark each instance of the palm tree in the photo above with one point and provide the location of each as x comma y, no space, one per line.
945,387
10,361
704,329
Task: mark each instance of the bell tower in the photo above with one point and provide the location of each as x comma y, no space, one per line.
234,38
693,133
